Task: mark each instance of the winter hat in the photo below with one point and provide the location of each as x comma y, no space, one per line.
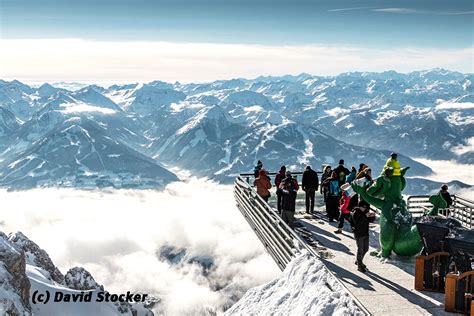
341,162
393,154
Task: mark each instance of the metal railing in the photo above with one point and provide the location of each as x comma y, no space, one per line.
462,209
280,241
249,176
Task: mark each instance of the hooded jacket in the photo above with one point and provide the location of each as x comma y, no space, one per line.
263,184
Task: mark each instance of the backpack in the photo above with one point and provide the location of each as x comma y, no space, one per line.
334,188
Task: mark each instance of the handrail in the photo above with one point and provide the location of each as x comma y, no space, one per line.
281,242
462,209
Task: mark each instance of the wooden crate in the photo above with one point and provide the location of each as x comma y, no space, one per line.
459,293
430,272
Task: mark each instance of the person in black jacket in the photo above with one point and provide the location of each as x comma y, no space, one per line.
446,196
342,172
288,202
310,183
278,179
361,217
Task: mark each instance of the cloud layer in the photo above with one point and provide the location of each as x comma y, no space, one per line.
101,61
119,235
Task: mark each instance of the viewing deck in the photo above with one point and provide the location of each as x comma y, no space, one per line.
387,288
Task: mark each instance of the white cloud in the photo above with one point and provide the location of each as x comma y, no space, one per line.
416,11
446,170
82,60
396,10
117,236
462,149
455,105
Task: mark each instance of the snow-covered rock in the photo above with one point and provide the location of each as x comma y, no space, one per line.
305,288
78,278
36,256
14,284
26,269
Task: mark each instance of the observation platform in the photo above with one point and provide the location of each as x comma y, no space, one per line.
387,288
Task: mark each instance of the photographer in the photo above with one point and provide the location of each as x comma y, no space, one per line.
361,217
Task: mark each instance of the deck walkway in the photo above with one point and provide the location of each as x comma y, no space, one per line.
387,288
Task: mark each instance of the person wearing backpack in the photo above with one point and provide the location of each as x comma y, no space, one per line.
361,217
341,172
332,199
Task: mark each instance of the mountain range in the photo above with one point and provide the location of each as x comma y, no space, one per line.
128,135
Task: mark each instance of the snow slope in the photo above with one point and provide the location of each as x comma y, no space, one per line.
305,288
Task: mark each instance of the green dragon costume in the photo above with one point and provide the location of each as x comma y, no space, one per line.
398,233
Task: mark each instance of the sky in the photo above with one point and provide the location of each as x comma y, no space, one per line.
190,40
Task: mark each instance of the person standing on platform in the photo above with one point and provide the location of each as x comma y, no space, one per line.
332,199
324,188
289,188
263,184
341,172
446,196
361,217
278,179
310,184
257,169
345,213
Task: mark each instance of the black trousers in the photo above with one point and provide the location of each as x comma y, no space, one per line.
362,247
343,217
289,218
310,200
278,201
332,207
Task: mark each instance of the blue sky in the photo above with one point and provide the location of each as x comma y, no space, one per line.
361,24
368,23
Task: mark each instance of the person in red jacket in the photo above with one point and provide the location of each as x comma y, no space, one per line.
345,211
263,185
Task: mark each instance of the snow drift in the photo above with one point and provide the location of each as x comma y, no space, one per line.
305,288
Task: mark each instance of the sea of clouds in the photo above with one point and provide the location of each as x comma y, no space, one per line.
118,236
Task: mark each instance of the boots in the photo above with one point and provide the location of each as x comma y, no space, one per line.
361,267
339,231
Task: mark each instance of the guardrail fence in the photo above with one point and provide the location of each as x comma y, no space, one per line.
280,241
462,208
